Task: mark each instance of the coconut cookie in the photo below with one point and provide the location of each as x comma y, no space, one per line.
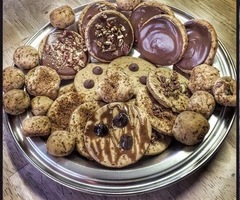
162,40
117,135
202,102
77,123
88,79
225,91
190,128
26,57
109,35
61,109
202,45
203,77
169,88
42,81
115,87
90,11
161,118
136,68
158,144
65,52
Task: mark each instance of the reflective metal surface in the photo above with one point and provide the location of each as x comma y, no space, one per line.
149,173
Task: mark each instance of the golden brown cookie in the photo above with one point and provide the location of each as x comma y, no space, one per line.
66,88
109,35
40,105
42,81
203,77
117,135
190,128
202,45
225,91
169,88
26,57
13,78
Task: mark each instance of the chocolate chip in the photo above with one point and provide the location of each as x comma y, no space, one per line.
133,67
120,120
97,70
126,141
143,80
88,84
101,130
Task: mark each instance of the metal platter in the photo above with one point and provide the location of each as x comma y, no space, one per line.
148,174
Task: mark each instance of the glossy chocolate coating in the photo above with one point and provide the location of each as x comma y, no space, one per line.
97,70
133,67
199,45
160,41
88,84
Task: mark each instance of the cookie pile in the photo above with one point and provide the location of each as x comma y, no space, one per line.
116,108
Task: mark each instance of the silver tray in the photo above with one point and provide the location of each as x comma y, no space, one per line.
150,173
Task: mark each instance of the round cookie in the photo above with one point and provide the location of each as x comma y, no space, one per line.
62,17
225,91
162,40
13,78
63,51
36,126
158,144
60,143
16,101
109,35
136,68
202,102
127,4
77,123
169,88
190,127
42,81
144,11
87,79
66,88
91,10
26,57
161,118
61,109
40,105
202,45
203,77
115,87
117,135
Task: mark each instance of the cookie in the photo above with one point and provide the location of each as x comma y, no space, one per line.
158,144
225,91
143,12
88,78
42,81
13,78
40,105
91,10
127,4
136,68
62,17
117,135
190,128
169,88
77,123
161,118
66,88
26,57
36,126
61,109
203,78
162,40
202,102
60,143
202,45
115,87
16,101
109,35
63,51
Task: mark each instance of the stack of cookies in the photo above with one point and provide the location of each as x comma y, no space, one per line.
88,94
